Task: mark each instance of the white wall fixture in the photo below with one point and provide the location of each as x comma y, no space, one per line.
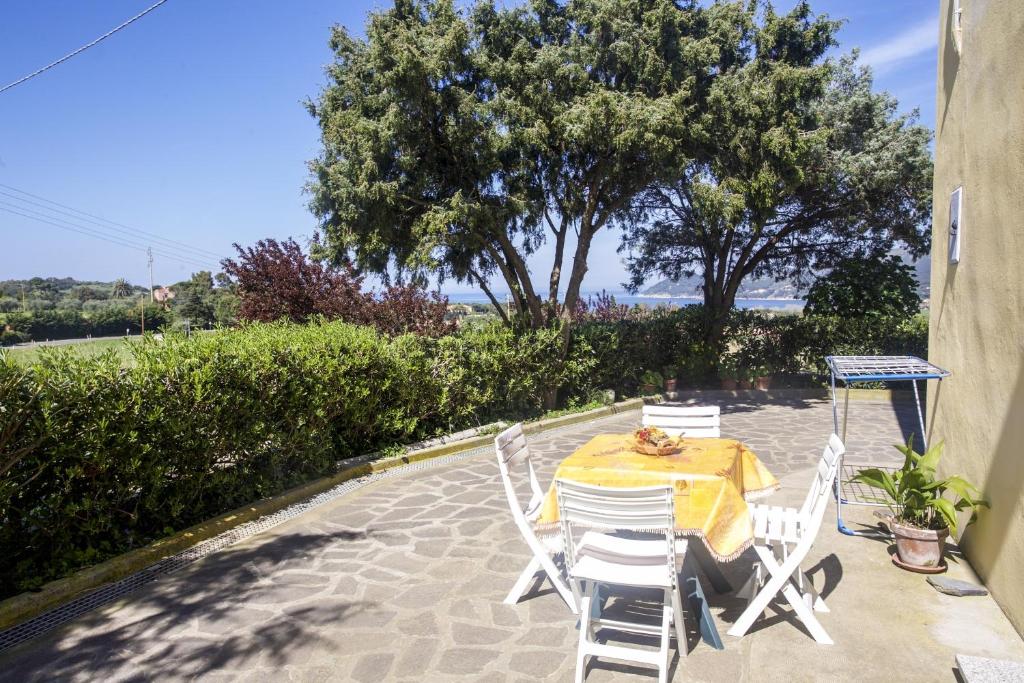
956,226
958,27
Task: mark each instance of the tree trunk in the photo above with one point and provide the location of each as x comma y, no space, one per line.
572,297
718,303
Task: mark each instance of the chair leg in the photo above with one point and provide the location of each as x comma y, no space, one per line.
757,606
779,582
809,592
805,614
585,627
752,584
554,576
680,621
523,581
667,616
558,581
797,599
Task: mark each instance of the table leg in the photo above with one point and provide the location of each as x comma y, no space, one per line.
709,567
698,606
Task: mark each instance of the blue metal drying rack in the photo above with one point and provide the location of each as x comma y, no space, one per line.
860,369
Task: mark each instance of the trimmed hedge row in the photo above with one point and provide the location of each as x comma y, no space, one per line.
98,456
106,457
72,324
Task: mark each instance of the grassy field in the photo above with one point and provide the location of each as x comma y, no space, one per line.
30,354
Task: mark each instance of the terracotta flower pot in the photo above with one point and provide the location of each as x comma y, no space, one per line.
763,383
919,547
728,383
670,385
745,384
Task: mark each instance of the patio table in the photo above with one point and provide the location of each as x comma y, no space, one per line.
713,480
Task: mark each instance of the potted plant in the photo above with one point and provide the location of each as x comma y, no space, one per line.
650,382
745,377
728,373
671,372
922,514
762,378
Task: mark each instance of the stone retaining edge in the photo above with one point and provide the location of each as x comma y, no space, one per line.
807,394
24,606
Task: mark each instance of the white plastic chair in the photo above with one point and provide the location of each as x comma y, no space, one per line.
601,559
674,420
782,539
513,453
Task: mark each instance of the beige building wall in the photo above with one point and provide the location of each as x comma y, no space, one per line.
977,306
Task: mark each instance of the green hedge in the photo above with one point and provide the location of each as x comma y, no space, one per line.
112,457
792,344
110,321
98,456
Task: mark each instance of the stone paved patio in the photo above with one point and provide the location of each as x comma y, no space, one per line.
403,580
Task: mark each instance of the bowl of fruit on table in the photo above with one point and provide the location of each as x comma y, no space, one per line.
653,441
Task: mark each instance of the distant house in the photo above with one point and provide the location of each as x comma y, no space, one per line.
977,279
460,309
163,295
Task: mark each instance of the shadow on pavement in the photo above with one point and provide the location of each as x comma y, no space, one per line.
200,620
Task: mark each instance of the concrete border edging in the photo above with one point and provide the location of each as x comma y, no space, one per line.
806,394
24,606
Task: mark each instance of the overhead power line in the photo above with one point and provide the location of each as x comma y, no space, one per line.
65,225
85,47
109,224
90,232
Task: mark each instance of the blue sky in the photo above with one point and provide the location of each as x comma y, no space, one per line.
189,123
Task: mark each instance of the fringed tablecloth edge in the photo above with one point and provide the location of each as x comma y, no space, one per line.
761,493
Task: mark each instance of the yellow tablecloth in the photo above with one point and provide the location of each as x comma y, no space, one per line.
713,479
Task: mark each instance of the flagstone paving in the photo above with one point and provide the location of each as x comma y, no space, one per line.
404,580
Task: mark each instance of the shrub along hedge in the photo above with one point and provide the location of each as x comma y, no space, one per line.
97,456
72,324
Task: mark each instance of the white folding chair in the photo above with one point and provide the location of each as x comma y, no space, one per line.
600,559
782,539
513,453
677,420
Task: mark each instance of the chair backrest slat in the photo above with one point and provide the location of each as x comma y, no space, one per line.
648,509
696,421
682,421
813,508
514,454
800,526
677,410
514,451
695,432
632,509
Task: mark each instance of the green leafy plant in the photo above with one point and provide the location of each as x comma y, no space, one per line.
728,368
650,377
99,455
917,496
870,286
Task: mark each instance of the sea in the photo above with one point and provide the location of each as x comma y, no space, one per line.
794,305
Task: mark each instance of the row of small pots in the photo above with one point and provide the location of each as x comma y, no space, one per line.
759,383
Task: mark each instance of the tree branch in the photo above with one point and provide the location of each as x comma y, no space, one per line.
518,265
510,279
487,290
